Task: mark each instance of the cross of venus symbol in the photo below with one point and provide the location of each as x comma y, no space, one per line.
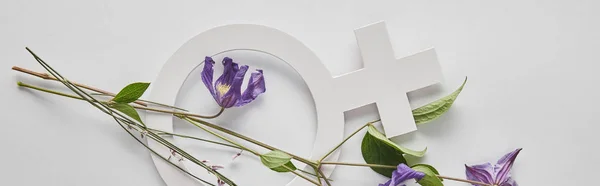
385,80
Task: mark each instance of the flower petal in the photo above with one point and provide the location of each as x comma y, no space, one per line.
230,98
481,173
388,184
505,164
228,73
235,66
207,74
224,83
239,77
401,174
256,86
510,182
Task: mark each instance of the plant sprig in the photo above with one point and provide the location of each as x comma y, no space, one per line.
119,118
278,160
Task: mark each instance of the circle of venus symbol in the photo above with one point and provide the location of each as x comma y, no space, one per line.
384,80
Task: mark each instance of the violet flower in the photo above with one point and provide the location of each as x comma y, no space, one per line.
498,174
227,88
401,174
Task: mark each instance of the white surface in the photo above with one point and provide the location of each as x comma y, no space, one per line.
531,69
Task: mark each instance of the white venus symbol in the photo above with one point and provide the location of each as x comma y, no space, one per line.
391,77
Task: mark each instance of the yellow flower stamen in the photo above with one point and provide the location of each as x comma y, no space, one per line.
222,89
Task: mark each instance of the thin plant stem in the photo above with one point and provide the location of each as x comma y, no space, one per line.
157,138
21,84
312,174
180,113
227,131
339,145
145,101
347,138
189,157
50,77
163,105
134,106
194,138
359,164
160,132
222,137
162,157
326,180
316,169
301,176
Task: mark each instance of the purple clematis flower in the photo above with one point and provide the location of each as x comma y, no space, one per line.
497,175
401,174
227,88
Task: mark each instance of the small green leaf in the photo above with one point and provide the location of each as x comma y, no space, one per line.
435,171
381,137
289,166
278,161
127,110
437,108
430,178
131,92
375,151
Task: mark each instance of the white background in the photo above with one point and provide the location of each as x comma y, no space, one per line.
532,71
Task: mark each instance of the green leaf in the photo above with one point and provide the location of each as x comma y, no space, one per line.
430,178
127,110
131,92
428,166
381,137
278,161
437,108
375,151
289,166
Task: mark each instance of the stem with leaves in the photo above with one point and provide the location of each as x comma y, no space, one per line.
195,119
191,117
141,104
21,84
119,118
